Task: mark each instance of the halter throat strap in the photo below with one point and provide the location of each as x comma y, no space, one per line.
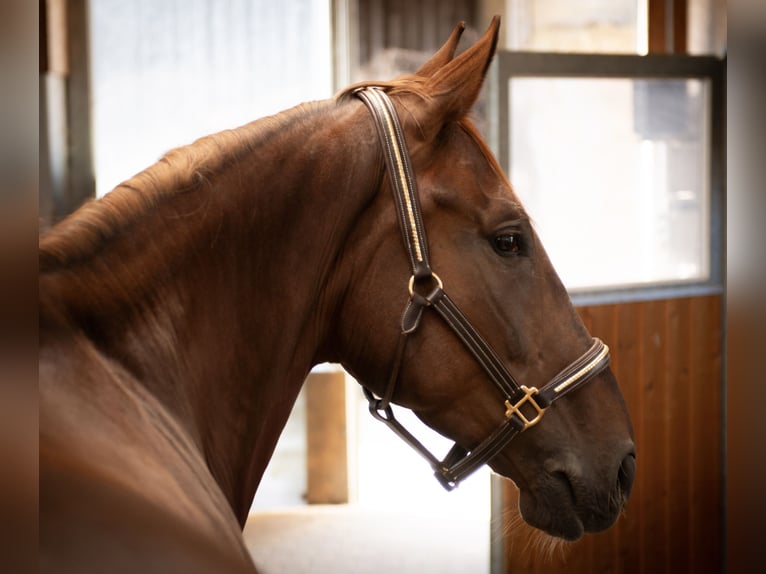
524,407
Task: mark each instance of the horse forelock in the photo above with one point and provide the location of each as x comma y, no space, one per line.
407,84
181,170
415,85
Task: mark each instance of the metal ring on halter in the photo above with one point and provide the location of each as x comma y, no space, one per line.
411,284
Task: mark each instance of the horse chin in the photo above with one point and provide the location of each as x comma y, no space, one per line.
544,513
549,504
561,503
546,504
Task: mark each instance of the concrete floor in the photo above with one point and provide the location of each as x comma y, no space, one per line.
349,539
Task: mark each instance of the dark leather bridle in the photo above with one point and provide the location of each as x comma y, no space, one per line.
458,463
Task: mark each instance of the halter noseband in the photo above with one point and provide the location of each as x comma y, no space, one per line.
458,463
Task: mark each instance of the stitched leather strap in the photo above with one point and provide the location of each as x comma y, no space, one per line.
475,343
595,360
402,180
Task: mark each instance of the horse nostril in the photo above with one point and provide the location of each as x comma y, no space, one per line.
625,475
563,478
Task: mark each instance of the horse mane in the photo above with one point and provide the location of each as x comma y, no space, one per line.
181,170
406,84
186,169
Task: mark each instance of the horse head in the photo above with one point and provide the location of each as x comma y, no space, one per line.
575,466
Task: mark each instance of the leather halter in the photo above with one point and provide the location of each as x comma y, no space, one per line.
524,407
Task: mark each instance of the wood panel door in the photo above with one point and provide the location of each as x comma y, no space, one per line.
667,357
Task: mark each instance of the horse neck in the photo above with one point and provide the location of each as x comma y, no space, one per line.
220,297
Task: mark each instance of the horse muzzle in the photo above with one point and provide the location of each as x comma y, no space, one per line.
567,501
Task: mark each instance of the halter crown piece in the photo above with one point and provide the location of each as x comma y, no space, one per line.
524,407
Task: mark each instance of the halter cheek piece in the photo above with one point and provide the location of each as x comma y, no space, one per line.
524,407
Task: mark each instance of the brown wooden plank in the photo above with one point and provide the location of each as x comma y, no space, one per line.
667,26
678,394
651,491
630,347
746,427
81,184
327,471
680,26
43,35
705,448
656,27
742,484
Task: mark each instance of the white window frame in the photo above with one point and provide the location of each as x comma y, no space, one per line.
510,65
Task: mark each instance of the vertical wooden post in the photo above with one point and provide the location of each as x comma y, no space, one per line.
327,450
54,156
667,26
81,183
67,177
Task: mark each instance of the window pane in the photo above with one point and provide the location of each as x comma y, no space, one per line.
614,173
605,26
165,73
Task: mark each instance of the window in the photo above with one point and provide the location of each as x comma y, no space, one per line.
166,73
614,26
617,159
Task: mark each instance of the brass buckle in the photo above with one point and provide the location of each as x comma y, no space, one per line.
528,397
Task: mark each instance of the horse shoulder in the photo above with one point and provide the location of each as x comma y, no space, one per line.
89,524
122,486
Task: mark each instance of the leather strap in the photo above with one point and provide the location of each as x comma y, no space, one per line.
402,180
475,343
595,360
524,406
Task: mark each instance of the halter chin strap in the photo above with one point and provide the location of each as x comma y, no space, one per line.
524,407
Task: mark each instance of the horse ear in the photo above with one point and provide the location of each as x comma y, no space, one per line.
445,53
455,87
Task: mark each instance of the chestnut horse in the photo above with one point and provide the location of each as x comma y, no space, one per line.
181,313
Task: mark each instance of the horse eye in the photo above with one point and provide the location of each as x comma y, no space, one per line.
507,243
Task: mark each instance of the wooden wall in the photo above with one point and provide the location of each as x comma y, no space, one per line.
667,356
421,26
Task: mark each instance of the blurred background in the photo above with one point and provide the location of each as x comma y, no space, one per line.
609,117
